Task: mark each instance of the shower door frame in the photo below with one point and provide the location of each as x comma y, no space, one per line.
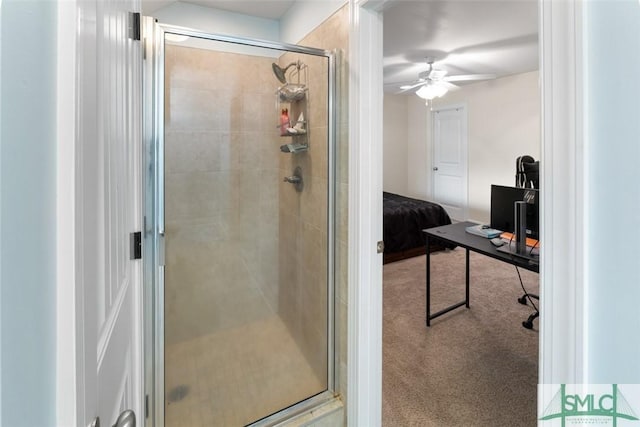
154,37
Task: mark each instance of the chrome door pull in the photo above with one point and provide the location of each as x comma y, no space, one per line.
126,419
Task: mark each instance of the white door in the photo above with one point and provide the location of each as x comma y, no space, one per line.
109,209
450,160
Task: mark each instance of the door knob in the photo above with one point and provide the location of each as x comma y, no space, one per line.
435,168
126,419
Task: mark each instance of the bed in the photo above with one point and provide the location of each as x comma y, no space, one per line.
403,220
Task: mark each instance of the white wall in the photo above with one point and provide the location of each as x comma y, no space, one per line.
405,146
301,18
612,152
218,21
394,172
27,213
418,166
503,123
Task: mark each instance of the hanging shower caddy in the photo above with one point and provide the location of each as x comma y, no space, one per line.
292,100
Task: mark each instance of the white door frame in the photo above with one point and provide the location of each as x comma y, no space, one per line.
68,296
465,210
564,321
562,348
364,328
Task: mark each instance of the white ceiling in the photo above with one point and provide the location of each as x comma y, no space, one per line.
464,37
270,9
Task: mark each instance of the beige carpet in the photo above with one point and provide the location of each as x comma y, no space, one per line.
476,367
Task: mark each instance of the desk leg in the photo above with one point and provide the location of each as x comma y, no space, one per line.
452,307
467,280
428,282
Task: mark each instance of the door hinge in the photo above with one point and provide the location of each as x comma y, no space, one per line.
134,25
136,245
380,247
146,406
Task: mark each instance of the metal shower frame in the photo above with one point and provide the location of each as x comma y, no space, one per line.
153,255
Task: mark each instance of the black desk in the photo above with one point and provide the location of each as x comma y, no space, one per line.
456,234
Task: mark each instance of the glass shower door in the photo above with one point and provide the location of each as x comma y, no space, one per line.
247,280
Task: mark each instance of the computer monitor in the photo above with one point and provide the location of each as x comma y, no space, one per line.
503,200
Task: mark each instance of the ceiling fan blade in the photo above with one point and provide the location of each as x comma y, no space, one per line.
470,77
409,87
437,74
404,89
449,86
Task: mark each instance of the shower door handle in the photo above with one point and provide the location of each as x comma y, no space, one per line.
126,419
160,247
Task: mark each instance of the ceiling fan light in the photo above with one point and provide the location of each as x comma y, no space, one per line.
431,91
425,92
440,90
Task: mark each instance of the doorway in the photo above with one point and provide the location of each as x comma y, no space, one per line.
240,201
449,168
472,98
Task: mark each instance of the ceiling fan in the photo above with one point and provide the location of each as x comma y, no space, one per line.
434,83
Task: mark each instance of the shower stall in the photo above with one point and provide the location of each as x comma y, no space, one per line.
239,228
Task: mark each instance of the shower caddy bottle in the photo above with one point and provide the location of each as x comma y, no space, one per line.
284,122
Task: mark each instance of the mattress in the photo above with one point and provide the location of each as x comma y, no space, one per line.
404,219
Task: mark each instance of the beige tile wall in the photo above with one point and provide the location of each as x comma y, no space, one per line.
221,186
333,34
225,195
303,222
308,210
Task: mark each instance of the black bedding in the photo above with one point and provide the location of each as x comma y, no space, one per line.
404,219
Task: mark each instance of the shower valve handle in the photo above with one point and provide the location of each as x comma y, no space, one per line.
292,179
295,179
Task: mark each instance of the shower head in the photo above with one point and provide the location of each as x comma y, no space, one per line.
280,72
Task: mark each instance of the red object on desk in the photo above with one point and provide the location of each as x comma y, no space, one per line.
532,243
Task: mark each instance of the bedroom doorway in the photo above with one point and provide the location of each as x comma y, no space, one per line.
456,134
449,169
